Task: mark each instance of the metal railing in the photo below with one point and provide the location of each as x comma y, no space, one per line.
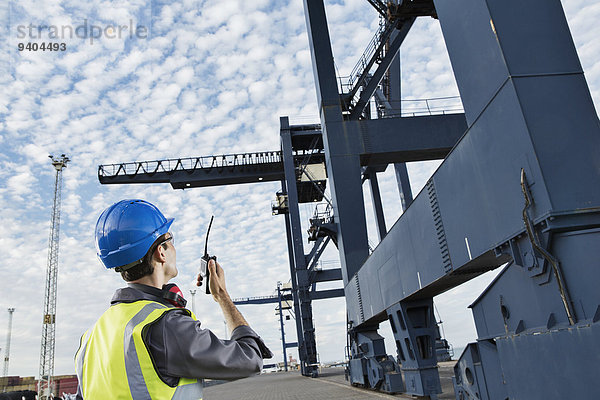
432,106
191,163
422,107
323,212
240,299
375,49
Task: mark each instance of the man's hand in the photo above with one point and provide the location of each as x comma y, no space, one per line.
219,292
217,281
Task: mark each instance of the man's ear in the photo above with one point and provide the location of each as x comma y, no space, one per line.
160,253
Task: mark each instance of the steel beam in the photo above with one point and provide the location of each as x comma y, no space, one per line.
341,146
406,196
281,327
327,275
379,6
369,90
261,300
312,261
326,294
394,97
294,280
391,140
186,173
307,348
316,249
377,205
198,178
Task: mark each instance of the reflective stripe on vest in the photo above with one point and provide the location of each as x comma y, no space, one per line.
79,360
123,369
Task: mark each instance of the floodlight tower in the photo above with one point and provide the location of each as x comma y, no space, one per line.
193,293
49,319
7,349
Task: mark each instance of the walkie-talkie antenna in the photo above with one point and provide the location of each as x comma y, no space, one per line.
207,232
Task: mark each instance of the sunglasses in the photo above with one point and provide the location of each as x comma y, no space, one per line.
171,238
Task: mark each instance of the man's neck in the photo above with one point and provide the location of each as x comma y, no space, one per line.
154,280
145,288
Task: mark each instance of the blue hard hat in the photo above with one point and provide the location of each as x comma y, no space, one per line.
126,230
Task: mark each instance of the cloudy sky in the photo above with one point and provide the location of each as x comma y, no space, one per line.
198,78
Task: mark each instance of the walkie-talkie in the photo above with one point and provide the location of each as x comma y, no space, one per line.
204,271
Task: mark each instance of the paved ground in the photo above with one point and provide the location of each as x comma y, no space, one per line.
331,385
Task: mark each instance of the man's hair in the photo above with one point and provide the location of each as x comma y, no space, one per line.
145,267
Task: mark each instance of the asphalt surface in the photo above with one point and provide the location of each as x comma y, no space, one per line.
331,384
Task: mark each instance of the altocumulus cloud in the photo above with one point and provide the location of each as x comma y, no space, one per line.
209,78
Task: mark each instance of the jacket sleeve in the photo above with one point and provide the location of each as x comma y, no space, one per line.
181,348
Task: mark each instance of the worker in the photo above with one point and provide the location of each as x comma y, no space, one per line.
147,345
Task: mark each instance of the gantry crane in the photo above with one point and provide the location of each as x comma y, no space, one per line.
517,188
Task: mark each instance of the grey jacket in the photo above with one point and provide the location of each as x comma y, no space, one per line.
180,347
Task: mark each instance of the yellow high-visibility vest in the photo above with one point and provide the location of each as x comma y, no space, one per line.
114,363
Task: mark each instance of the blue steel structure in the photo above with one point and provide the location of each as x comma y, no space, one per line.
519,187
278,299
